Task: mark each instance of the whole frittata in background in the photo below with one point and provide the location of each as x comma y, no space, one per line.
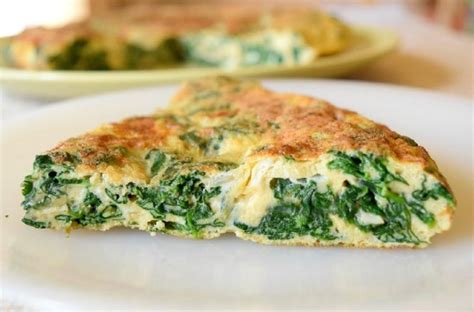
146,37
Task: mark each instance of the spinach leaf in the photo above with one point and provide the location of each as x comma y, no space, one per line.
36,224
157,159
91,211
42,162
182,195
300,210
438,191
49,180
79,54
206,144
397,213
346,163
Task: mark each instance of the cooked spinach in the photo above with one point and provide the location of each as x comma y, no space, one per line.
27,186
184,195
210,144
156,159
395,214
253,52
36,224
259,54
438,191
300,207
48,181
397,211
180,192
93,217
167,52
195,140
90,211
360,165
42,162
207,144
300,210
80,55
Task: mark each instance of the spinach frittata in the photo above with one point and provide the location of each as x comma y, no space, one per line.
231,156
144,37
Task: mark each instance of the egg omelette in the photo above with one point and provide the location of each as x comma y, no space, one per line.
155,36
231,156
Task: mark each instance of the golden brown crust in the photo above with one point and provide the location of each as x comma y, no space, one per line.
115,140
283,125
306,127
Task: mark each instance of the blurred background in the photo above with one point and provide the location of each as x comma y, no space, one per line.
436,49
457,15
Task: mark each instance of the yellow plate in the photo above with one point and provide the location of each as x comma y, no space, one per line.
369,44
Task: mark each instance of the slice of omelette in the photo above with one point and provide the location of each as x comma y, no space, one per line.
231,156
155,36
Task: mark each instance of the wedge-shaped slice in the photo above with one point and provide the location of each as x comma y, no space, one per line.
231,156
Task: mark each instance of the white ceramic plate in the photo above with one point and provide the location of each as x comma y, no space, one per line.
127,269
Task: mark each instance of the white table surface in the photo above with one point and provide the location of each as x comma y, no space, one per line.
429,56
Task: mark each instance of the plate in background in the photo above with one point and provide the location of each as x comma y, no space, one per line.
369,45
126,269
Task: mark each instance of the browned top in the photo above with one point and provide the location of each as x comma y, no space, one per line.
304,127
245,120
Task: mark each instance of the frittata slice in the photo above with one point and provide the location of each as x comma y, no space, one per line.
231,156
154,36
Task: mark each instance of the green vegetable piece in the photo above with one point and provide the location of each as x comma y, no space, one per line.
157,159
42,162
36,224
27,186
181,195
300,210
64,218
